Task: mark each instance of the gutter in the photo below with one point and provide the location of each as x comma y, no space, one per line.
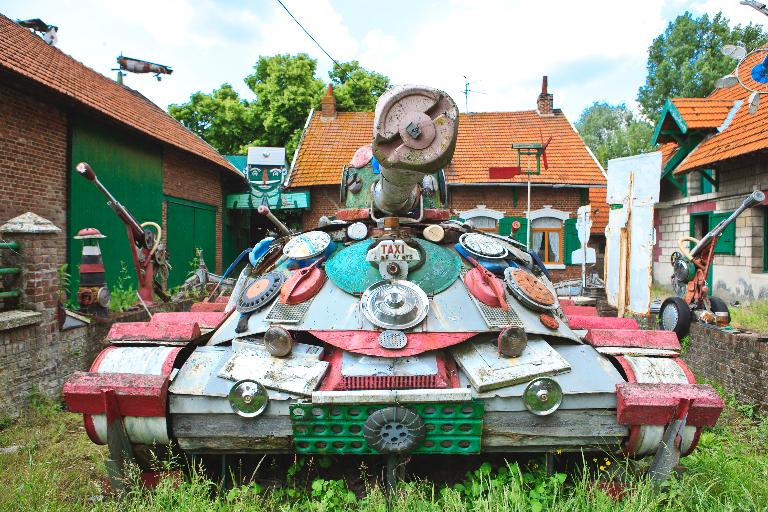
540,185
298,147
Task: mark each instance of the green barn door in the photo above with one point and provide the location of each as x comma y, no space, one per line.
132,170
191,226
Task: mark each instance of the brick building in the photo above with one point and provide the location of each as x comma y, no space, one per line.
57,112
573,177
714,156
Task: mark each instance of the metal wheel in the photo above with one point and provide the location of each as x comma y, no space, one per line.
675,315
394,430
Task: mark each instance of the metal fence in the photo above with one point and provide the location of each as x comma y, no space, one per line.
8,293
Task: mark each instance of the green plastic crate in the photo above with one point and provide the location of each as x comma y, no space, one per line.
452,428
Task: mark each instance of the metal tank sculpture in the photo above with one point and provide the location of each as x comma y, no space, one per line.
392,330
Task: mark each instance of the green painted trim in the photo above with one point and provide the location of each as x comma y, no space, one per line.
10,245
707,177
514,197
688,145
187,202
669,108
9,270
616,206
682,186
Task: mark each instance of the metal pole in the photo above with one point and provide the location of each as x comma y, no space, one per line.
528,216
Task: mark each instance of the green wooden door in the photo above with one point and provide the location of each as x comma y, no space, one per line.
132,171
191,226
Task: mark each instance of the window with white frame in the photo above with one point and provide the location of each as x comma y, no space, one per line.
484,219
547,235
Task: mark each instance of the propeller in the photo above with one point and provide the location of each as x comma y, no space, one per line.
544,149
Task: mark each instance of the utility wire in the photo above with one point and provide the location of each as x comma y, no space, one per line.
306,32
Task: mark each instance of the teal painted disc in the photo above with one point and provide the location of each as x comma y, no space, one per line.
349,270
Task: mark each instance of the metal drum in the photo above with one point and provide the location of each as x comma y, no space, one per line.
141,360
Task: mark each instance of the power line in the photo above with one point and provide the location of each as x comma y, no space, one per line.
306,32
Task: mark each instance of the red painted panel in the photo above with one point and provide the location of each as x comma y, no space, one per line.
503,173
353,214
632,338
208,307
149,331
655,404
222,298
579,310
136,395
367,342
436,214
566,302
701,207
206,320
601,322
90,268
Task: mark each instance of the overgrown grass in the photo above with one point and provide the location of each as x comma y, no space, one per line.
751,317
57,468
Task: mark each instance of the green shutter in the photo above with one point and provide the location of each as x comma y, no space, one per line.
571,239
727,242
191,226
505,228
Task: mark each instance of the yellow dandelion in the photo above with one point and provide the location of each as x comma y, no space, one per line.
559,451
602,468
535,466
607,463
594,460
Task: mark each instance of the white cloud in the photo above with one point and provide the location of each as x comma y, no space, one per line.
593,50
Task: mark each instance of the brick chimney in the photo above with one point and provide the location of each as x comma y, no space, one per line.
545,100
328,105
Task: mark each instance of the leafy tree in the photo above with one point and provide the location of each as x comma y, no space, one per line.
222,118
685,60
356,89
613,131
286,88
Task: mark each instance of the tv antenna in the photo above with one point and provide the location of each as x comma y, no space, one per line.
467,90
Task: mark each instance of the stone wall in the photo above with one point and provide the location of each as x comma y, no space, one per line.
737,361
738,276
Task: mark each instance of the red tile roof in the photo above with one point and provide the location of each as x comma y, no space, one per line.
668,150
485,140
703,112
600,209
746,133
25,54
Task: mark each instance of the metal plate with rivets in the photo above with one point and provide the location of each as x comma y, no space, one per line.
392,339
260,292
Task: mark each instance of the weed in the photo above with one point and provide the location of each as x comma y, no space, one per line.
751,317
123,294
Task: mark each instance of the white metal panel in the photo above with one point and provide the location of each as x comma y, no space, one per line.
633,182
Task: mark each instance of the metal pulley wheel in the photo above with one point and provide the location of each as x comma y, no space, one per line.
260,292
415,128
483,246
394,430
529,289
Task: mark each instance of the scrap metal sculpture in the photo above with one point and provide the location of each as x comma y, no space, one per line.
689,278
393,330
150,258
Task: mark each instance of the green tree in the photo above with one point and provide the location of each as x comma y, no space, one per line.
613,131
356,89
286,88
685,60
221,118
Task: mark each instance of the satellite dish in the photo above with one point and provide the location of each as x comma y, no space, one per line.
760,72
733,51
726,81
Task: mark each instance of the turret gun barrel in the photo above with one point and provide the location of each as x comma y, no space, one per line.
138,232
751,200
414,134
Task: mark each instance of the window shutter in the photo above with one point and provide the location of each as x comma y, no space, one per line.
727,242
571,239
505,228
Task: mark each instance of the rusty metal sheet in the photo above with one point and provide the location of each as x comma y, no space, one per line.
193,377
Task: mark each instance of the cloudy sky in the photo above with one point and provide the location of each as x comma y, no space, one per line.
592,50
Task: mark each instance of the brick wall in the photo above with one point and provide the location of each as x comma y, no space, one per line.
502,199
738,362
323,201
188,178
33,159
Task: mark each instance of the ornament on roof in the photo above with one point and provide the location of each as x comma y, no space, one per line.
140,66
751,73
49,33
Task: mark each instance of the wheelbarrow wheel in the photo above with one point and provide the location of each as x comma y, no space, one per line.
675,315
